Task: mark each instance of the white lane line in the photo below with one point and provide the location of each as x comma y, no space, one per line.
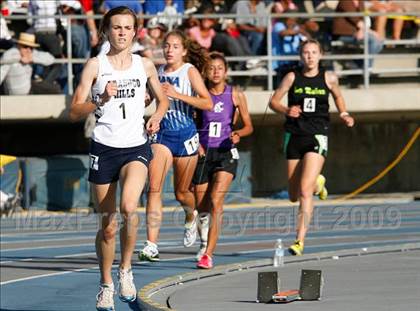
45,247
46,275
30,234
139,243
174,259
47,240
76,270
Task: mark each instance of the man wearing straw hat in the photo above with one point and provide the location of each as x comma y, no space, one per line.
16,68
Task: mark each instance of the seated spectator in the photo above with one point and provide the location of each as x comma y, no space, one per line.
5,36
281,6
153,7
88,9
16,8
134,5
167,11
228,38
253,28
287,36
16,71
153,40
380,21
46,34
204,33
352,29
80,45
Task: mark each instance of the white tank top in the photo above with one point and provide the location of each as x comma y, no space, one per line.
179,114
120,122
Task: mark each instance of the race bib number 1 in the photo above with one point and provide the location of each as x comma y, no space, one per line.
309,105
215,129
191,145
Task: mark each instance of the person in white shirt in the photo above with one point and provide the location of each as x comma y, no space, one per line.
119,146
46,33
16,68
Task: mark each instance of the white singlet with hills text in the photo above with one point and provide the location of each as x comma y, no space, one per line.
120,122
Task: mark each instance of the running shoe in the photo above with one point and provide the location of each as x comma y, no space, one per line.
321,190
206,262
149,252
105,298
203,228
127,289
201,251
190,231
296,249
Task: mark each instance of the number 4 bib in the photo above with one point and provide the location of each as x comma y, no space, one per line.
309,105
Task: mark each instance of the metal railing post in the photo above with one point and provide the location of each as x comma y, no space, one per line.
69,58
270,52
366,52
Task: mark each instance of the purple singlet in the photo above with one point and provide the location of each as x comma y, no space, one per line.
217,124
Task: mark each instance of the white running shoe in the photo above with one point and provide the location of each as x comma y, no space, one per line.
127,290
105,298
190,231
149,252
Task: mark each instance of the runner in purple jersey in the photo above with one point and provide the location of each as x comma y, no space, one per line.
216,126
218,156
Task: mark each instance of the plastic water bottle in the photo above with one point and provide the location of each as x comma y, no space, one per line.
278,260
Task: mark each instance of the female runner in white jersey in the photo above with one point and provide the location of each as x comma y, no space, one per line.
177,140
119,147
306,137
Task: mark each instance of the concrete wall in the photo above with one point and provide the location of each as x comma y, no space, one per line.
386,118
355,156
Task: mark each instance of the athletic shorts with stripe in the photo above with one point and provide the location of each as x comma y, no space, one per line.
181,142
106,162
296,146
214,161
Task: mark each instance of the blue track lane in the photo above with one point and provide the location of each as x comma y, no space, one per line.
57,270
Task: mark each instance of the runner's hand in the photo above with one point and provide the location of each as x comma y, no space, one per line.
294,111
153,124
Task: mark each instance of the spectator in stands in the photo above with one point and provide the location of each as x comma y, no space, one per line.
380,21
152,7
134,5
204,33
351,30
253,28
281,6
228,38
287,36
17,8
153,40
80,45
87,8
46,34
5,36
166,10
16,70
